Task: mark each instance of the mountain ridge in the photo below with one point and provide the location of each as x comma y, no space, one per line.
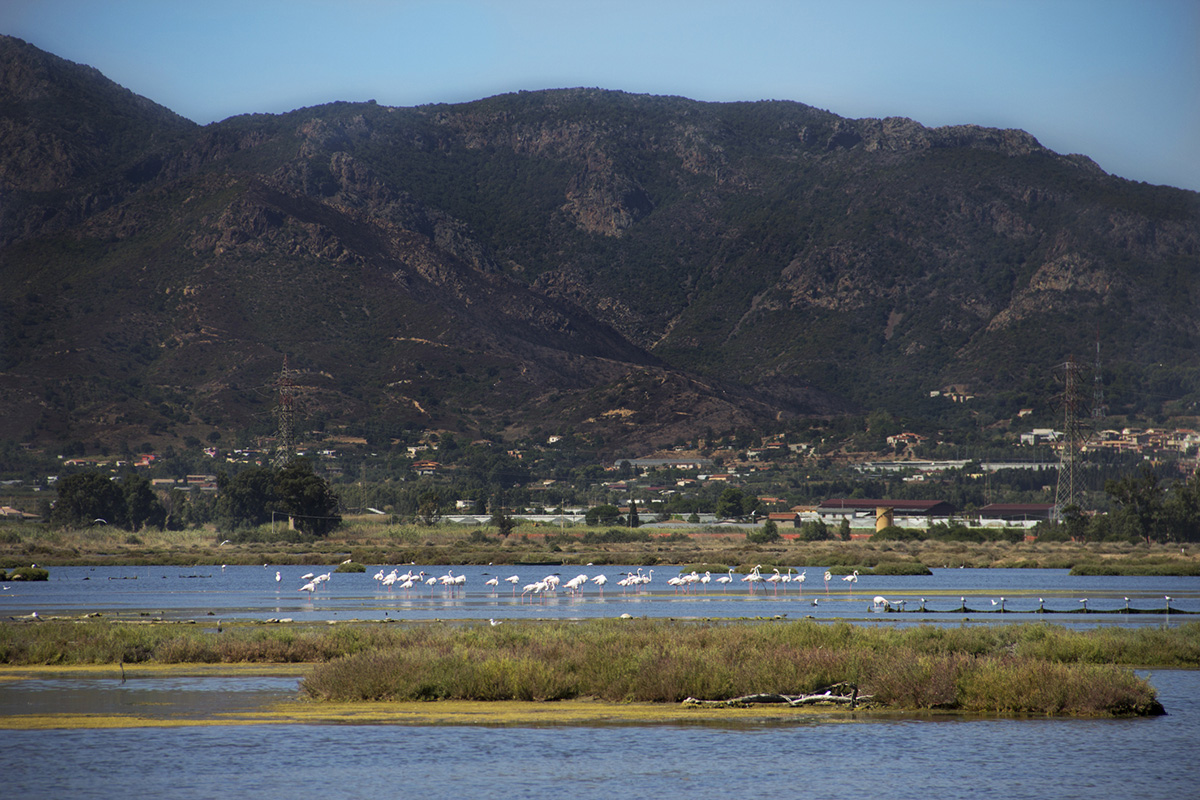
630,267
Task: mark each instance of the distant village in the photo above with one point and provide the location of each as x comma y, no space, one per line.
690,472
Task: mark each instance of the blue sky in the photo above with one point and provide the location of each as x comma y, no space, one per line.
1117,80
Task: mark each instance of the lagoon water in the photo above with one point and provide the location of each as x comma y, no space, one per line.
900,759
252,593
834,756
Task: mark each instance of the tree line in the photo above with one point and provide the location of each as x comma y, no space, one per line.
252,497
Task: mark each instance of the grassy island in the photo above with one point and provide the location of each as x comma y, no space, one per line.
1016,669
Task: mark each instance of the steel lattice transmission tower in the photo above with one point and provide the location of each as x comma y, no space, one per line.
1070,482
285,436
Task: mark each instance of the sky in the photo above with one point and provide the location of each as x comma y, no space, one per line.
1116,80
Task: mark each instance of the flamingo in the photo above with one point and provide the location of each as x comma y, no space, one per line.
309,587
643,580
753,577
828,577
725,580
600,580
278,576
799,580
880,603
705,578
493,582
774,580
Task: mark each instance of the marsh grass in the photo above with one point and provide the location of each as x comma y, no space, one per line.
373,541
644,661
1032,668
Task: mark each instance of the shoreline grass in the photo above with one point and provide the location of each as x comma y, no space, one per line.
1029,668
377,543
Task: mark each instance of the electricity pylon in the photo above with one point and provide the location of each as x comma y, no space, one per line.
285,436
1070,483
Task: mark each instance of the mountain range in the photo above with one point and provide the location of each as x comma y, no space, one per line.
636,270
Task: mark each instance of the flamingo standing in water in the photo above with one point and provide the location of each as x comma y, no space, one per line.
753,577
600,580
492,582
774,580
799,581
514,580
828,578
725,580
851,579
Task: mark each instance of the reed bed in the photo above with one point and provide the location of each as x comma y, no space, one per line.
657,662
1029,668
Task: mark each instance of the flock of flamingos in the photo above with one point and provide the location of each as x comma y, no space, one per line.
638,581
632,581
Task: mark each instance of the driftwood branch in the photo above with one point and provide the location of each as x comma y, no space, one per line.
828,696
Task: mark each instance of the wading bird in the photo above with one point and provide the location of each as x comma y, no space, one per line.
725,580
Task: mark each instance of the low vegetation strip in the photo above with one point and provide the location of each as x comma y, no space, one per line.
1031,668
1013,670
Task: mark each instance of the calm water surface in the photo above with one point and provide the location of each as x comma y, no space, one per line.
949,758
254,593
821,757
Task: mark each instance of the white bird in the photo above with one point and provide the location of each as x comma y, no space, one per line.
754,577
774,579
309,587
852,578
725,580
308,576
493,582
800,580
600,580
494,622
880,603
278,576
828,577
